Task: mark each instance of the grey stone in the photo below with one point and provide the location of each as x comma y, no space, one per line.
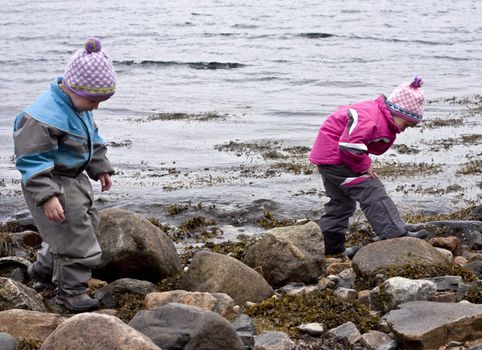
273,341
7,342
178,326
219,303
373,339
15,268
346,331
29,325
346,293
289,254
132,247
446,283
396,251
246,329
347,279
92,331
315,329
397,290
14,295
475,266
108,295
428,325
217,273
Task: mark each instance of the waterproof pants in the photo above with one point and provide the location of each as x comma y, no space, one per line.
345,188
70,248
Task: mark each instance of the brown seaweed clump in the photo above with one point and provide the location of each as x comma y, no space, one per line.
287,312
474,295
129,305
269,221
29,344
7,244
462,214
412,271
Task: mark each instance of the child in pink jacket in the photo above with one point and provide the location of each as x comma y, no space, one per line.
341,152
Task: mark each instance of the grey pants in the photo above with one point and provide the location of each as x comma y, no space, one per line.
345,188
70,248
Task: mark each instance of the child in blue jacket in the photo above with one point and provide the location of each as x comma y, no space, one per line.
56,141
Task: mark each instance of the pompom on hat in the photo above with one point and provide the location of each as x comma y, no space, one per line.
406,101
90,72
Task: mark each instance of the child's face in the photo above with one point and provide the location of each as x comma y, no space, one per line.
402,123
83,104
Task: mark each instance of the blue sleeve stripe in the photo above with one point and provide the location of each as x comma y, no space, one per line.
33,164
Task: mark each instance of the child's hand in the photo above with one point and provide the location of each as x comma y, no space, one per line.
53,209
372,173
105,181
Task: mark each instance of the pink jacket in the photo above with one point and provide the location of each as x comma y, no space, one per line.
352,132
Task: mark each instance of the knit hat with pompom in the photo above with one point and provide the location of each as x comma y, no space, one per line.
406,101
90,72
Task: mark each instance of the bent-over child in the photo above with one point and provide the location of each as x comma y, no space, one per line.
56,141
341,152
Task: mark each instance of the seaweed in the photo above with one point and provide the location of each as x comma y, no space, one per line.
287,312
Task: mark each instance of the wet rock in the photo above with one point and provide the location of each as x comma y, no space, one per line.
296,288
397,290
7,342
460,260
325,283
177,326
14,295
217,273
15,268
219,303
364,297
273,341
29,325
133,247
446,253
314,329
446,283
347,278
428,325
450,243
396,251
475,266
346,293
373,339
246,330
289,254
346,331
108,295
91,331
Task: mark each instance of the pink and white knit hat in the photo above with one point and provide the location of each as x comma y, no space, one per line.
406,101
90,72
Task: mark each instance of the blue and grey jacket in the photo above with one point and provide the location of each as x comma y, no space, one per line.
52,138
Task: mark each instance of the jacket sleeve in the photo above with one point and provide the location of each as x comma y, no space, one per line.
35,145
99,163
354,140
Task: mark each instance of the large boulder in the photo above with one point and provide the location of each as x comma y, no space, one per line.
133,247
289,254
219,303
429,325
396,251
89,331
217,273
15,295
178,326
29,325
